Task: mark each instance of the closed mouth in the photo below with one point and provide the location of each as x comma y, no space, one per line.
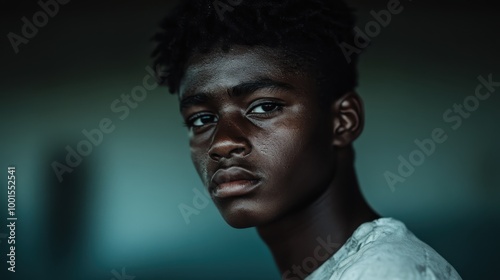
234,181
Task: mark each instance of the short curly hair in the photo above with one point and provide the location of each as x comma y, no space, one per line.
310,30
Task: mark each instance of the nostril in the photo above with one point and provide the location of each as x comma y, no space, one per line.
215,156
239,150
227,150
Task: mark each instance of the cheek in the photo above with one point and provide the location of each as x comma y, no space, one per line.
279,141
281,150
297,157
200,161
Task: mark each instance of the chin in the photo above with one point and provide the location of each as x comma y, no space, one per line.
239,216
240,224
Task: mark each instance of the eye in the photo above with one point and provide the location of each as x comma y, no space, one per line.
266,108
201,120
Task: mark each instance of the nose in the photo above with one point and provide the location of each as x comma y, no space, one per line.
228,140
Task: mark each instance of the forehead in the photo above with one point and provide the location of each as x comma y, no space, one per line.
218,69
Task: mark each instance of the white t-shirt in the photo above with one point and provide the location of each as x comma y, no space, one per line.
384,249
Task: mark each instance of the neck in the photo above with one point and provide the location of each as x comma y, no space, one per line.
305,239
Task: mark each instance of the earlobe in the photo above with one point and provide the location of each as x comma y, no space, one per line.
348,119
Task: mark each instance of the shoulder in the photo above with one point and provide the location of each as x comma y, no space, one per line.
386,249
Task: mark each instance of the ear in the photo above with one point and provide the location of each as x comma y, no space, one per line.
348,119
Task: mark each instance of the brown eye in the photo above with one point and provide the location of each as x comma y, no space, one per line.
201,120
265,108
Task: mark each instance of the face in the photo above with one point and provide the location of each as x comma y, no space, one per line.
260,139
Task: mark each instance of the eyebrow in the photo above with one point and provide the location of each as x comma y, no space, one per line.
244,88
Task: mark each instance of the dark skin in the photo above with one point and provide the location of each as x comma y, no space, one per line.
272,154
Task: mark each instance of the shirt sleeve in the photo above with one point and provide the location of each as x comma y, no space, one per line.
394,259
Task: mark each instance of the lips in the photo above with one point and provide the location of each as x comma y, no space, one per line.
234,181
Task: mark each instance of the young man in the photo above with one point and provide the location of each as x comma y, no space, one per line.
267,94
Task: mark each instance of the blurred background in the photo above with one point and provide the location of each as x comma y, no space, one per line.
117,213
